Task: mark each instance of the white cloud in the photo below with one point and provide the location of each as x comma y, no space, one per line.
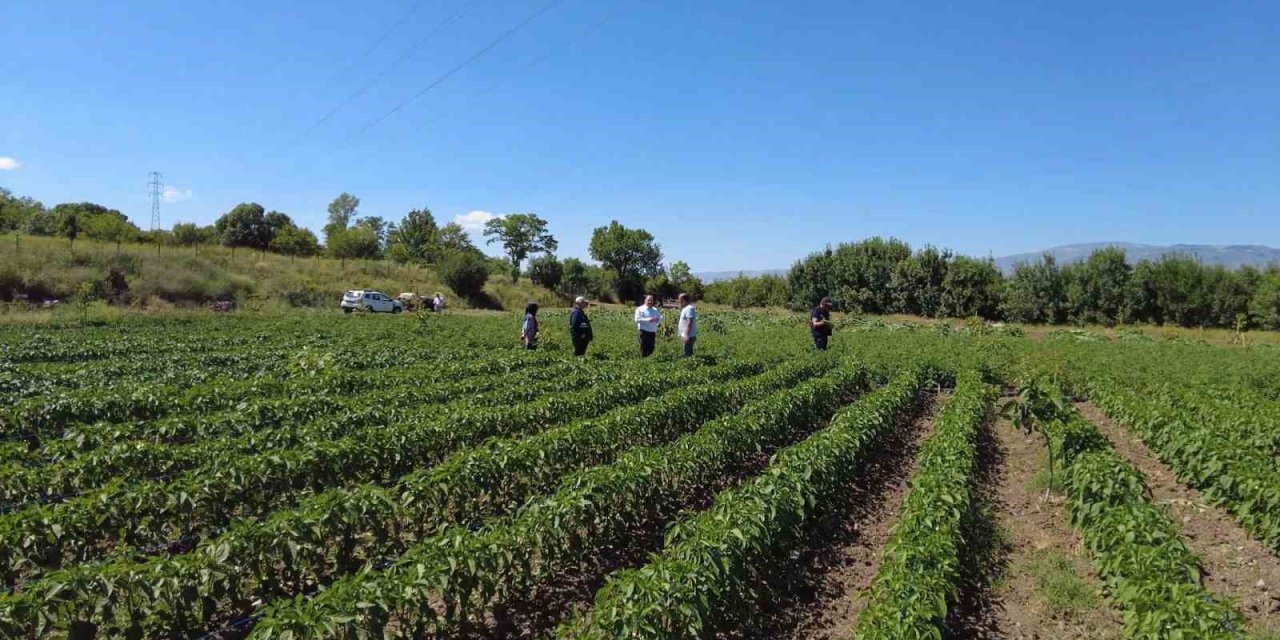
174,194
9,164
474,221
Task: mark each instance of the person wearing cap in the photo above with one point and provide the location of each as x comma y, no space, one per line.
647,320
688,323
580,327
820,323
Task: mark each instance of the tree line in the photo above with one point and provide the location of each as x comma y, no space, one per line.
629,260
885,276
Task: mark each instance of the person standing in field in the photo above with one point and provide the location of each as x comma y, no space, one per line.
820,323
647,320
529,330
580,327
437,303
688,323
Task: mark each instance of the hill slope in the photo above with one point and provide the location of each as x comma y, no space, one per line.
47,268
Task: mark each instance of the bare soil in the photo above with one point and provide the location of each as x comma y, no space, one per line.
1234,564
1030,527
819,593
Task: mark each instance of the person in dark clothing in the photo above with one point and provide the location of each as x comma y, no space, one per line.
529,329
580,327
820,323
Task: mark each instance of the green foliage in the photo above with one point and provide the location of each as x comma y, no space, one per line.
546,271
521,235
341,211
416,239
244,226
742,292
710,562
1035,293
631,255
465,272
456,577
1134,546
920,573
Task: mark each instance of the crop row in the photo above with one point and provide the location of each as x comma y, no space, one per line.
712,562
48,417
136,460
150,513
305,399
1198,446
1134,545
460,577
336,532
920,570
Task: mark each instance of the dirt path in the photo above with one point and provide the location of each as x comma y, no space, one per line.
1034,581
1235,565
819,596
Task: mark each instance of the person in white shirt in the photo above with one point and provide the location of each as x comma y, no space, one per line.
647,320
688,323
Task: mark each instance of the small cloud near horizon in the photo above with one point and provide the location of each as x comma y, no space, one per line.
9,164
474,221
174,194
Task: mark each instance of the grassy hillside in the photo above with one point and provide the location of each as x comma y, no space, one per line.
38,269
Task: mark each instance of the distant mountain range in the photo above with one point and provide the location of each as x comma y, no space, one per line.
1231,256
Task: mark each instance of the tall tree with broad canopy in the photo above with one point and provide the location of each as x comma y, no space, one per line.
521,234
244,226
631,254
341,210
416,238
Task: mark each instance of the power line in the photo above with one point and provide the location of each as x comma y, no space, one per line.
382,73
539,60
382,38
486,49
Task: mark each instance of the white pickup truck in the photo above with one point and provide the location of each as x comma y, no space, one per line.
374,301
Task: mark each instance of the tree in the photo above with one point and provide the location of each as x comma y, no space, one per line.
1264,306
972,288
916,282
575,278
465,272
72,218
378,226
683,280
546,271
42,223
454,238
16,213
416,238
188,234
356,242
1097,289
295,241
630,254
521,234
341,210
110,228
1035,292
244,226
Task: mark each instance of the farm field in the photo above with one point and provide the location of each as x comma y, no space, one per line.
422,476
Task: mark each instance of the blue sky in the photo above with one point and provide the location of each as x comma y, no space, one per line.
741,134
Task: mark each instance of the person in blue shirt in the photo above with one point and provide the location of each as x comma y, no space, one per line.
820,323
580,327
